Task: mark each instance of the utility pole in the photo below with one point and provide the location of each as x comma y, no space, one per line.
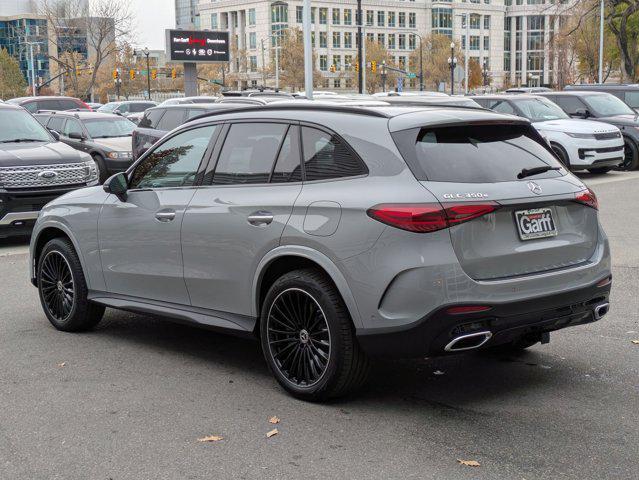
360,47
452,63
308,51
601,40
421,65
466,53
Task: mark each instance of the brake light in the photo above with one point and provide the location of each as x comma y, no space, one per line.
588,198
429,217
86,106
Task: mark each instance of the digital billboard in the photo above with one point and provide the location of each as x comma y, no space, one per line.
198,46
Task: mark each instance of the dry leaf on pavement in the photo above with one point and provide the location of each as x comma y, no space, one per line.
274,420
210,438
272,433
636,342
469,463
63,364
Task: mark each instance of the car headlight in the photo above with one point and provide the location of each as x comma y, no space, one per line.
91,170
581,135
119,155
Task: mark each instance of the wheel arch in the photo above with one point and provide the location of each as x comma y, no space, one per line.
285,259
46,234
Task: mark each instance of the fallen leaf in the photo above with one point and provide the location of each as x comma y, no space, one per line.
636,342
469,463
210,438
63,364
272,433
438,372
274,420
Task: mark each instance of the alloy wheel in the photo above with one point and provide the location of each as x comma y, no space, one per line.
298,337
57,286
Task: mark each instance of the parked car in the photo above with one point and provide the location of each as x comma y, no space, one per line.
580,145
94,105
158,121
607,108
186,100
35,168
127,108
135,117
35,104
334,234
627,92
516,90
446,101
107,138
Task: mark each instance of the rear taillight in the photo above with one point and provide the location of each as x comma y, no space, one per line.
86,106
429,217
588,198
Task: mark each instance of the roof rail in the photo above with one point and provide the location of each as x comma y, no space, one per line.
291,106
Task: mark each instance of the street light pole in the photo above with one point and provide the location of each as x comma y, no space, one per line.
452,62
308,51
148,71
360,46
33,75
421,65
601,40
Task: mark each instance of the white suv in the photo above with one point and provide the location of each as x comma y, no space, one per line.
579,144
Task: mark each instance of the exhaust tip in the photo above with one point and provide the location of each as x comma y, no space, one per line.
468,342
601,310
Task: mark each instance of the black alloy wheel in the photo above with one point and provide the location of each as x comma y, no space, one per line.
58,288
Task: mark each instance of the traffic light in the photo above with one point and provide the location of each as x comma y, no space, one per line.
154,74
357,66
374,66
132,74
116,74
78,71
173,73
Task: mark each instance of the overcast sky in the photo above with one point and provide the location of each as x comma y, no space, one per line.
153,16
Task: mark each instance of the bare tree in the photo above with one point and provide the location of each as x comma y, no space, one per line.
622,19
94,29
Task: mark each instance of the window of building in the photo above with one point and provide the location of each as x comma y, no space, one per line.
323,39
391,41
336,16
486,42
412,20
402,19
412,41
401,40
486,22
391,19
348,40
475,21
337,40
370,18
348,16
251,16
214,21
323,61
252,40
380,18
253,63
442,21
299,14
381,39
348,62
474,42
323,16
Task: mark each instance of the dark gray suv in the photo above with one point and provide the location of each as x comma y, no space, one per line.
334,234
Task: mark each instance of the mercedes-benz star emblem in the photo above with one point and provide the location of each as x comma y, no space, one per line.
535,188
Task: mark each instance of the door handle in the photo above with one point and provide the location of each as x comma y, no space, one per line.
165,216
260,218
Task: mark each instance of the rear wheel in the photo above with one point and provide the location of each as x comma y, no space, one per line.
308,338
599,170
562,154
631,155
102,171
63,289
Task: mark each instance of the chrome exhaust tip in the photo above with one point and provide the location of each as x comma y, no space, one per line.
468,342
600,310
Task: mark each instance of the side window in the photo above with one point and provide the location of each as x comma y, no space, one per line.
72,126
570,105
326,157
151,118
49,105
174,117
70,105
248,153
194,112
42,119
139,107
124,108
56,124
31,107
175,162
288,167
501,106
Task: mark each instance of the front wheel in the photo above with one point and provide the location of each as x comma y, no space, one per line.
102,171
562,154
630,154
308,338
63,289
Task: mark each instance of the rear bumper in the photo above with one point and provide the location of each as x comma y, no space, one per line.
505,322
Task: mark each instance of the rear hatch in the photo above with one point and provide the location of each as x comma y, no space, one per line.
540,222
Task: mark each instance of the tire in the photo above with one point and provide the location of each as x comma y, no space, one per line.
562,154
102,171
631,155
599,170
299,359
63,289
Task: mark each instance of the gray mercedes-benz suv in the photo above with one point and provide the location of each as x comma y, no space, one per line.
334,234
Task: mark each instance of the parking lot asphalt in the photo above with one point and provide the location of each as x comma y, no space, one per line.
130,399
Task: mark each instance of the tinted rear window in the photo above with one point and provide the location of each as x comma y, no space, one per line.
474,153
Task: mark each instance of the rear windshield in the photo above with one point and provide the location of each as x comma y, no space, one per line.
475,153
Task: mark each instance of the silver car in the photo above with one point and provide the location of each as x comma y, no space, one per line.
335,233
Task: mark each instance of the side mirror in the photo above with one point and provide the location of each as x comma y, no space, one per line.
76,136
117,185
582,113
55,135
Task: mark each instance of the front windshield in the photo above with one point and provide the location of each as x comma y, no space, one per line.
109,107
109,128
607,105
18,125
539,109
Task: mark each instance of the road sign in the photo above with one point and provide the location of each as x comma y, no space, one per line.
412,75
459,73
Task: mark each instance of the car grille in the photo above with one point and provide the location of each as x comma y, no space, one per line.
607,136
44,175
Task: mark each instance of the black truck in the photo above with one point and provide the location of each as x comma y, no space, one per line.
35,168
